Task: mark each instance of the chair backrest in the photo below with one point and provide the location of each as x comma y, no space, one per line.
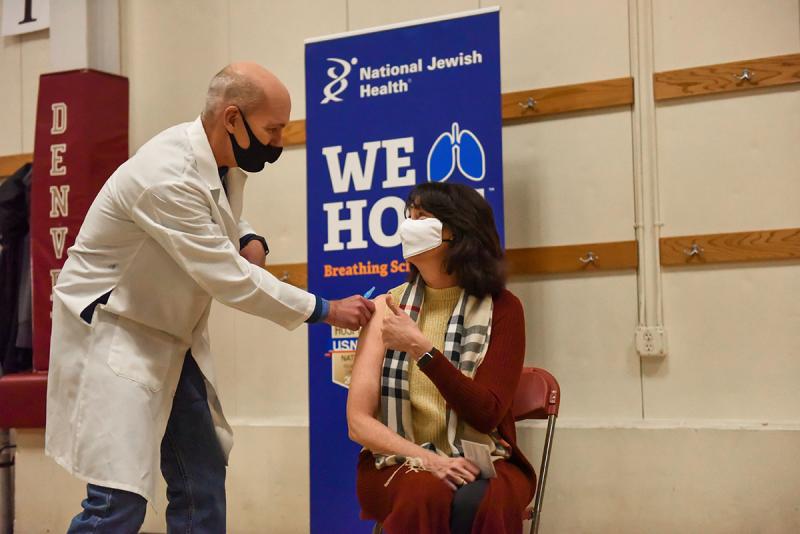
538,395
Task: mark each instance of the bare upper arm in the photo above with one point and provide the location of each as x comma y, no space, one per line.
365,380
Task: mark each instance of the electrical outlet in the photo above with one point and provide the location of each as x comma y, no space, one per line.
651,341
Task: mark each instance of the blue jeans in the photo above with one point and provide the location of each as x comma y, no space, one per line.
192,463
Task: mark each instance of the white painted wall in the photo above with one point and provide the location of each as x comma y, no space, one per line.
703,441
22,59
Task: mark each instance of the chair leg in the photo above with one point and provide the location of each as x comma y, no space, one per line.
533,523
537,502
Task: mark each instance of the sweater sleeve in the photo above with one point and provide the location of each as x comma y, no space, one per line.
484,401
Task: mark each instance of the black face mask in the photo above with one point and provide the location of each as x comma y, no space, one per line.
254,157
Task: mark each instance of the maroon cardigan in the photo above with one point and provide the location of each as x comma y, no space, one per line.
484,402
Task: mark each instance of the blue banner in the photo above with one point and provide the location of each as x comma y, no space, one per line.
385,109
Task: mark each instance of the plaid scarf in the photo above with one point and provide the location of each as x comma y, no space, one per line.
466,343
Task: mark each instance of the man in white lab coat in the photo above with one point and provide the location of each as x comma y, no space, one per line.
131,383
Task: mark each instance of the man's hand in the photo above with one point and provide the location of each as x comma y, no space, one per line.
254,253
351,313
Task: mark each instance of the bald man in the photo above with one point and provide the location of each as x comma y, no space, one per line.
131,384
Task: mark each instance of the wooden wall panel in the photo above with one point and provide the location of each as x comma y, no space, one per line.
737,247
295,133
293,273
9,164
727,77
533,103
574,259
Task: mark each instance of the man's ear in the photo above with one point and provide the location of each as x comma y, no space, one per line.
229,117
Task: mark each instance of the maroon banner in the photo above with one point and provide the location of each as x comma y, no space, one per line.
81,138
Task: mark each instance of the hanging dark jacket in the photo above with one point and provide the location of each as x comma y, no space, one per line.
15,271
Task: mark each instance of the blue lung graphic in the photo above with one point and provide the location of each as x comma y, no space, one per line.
471,160
441,160
457,147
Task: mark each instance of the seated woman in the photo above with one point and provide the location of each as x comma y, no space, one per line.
439,363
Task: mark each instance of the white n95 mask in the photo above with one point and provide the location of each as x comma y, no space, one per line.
420,235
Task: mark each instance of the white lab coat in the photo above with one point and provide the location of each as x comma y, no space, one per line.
163,237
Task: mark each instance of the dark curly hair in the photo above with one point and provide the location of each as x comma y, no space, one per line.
474,256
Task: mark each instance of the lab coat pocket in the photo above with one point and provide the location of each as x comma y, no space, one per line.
142,354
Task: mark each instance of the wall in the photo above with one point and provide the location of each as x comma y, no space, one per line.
22,59
702,441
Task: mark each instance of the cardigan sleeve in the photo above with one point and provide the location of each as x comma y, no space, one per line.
484,401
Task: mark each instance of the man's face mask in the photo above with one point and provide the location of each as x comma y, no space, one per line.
254,157
420,235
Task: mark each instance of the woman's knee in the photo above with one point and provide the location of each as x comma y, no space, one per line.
422,497
499,506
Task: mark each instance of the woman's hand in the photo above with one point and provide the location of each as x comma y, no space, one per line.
454,472
399,332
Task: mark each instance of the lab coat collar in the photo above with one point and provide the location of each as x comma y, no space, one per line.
207,168
206,164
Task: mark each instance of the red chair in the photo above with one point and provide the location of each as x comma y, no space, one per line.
22,400
538,397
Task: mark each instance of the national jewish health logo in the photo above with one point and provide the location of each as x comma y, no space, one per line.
456,148
338,82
